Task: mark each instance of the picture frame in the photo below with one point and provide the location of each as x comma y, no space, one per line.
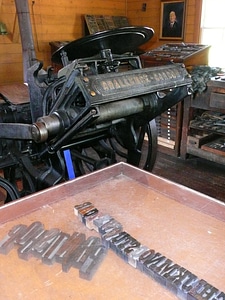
172,20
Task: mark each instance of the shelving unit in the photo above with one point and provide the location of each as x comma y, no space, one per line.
203,133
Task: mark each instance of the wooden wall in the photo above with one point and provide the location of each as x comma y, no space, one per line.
61,20
57,20
151,18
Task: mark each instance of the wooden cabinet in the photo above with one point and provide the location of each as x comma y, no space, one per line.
169,126
203,132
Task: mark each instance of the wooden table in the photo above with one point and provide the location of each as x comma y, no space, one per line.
185,226
16,93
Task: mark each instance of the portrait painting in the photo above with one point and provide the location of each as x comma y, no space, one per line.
172,20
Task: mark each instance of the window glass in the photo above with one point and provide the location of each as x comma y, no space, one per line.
213,31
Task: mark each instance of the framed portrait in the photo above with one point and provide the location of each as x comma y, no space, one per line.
172,20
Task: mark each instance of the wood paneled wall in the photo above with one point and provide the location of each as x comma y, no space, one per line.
61,20
57,20
151,18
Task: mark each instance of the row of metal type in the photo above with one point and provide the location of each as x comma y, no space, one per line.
55,246
180,281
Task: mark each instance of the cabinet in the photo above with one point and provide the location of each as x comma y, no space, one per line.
169,124
203,130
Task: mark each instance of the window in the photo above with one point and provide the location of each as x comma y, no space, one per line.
213,31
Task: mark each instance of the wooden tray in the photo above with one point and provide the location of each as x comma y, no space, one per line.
185,226
216,146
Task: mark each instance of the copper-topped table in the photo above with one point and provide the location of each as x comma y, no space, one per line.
185,226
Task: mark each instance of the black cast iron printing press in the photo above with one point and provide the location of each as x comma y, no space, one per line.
99,108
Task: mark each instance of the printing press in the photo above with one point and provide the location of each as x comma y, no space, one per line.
98,109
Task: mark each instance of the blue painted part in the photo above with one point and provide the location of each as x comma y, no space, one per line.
69,164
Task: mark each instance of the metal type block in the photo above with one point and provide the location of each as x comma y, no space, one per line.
166,267
134,256
45,239
122,245
28,240
107,237
181,280
93,261
83,251
7,243
48,257
202,291
83,211
127,246
81,206
78,256
100,221
144,257
85,208
133,244
221,296
89,213
32,231
90,219
25,251
114,243
110,226
69,246
154,261
183,290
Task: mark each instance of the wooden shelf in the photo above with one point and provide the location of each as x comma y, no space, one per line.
205,115
206,155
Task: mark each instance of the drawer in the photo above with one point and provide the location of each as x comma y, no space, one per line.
217,100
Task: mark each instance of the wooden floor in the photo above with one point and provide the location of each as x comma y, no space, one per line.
196,173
